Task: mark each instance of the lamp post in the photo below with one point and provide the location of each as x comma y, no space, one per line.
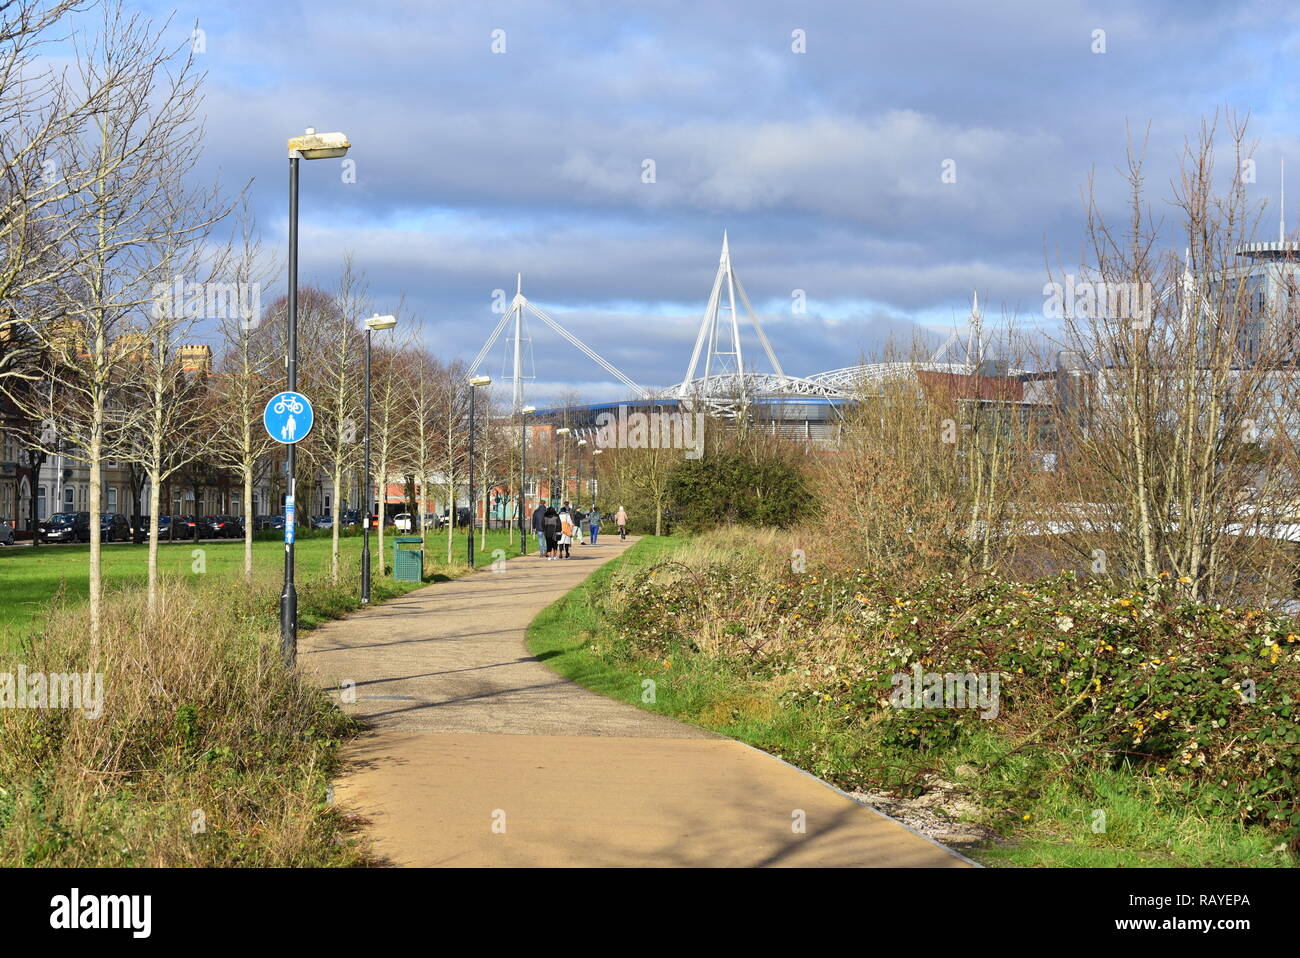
523,472
475,382
595,482
310,146
374,322
562,431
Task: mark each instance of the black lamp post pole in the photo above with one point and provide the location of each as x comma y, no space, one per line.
472,390
289,594
365,497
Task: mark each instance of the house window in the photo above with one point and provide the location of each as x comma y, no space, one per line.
112,499
68,501
40,502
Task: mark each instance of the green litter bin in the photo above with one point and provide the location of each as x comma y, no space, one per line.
408,564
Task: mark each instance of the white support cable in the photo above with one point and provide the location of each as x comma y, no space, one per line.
487,347
589,353
735,319
758,327
947,345
704,328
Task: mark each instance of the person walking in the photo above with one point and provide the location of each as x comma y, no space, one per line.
538,515
593,523
551,529
566,534
620,520
580,526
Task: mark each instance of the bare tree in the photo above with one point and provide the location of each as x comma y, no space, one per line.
333,372
249,363
391,390
132,150
41,108
451,435
1178,453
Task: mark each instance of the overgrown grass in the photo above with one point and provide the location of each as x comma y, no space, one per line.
1047,810
208,752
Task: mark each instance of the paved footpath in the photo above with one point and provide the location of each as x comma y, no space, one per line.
478,754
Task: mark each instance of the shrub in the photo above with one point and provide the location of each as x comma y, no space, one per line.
1090,674
735,487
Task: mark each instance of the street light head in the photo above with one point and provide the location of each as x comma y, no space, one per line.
562,431
381,322
527,410
582,442
597,452
318,146
480,380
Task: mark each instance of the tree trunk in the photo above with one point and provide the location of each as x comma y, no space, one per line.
155,502
381,501
96,571
336,514
248,521
36,464
451,511
417,521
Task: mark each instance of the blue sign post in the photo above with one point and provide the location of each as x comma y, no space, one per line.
288,417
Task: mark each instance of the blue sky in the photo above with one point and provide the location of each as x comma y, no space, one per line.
824,167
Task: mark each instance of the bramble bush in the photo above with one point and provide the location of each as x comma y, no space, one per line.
1093,674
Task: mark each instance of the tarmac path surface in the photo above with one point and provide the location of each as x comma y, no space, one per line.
477,754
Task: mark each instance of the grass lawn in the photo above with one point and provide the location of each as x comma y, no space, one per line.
31,577
1047,819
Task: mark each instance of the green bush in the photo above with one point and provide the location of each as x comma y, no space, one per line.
736,488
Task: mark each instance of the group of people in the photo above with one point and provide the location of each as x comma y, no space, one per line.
558,530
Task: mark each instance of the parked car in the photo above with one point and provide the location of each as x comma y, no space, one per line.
462,517
192,527
64,527
402,522
226,527
6,533
322,522
349,517
275,522
113,527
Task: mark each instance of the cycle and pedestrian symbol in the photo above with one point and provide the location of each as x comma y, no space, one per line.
288,417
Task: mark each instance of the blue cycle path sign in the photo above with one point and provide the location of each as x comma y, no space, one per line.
288,417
